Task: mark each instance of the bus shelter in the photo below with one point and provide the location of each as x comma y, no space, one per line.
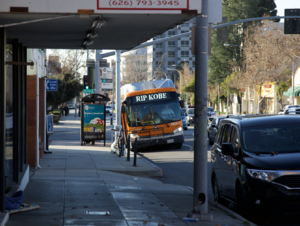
93,118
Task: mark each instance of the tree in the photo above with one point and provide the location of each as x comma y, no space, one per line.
64,62
184,76
134,69
67,89
221,58
267,61
137,67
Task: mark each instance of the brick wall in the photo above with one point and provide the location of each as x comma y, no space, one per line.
31,120
41,114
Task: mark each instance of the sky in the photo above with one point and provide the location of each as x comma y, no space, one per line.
286,4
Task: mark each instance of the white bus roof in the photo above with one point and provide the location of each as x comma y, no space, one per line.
166,83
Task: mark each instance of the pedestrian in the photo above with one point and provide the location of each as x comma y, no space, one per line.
66,110
62,110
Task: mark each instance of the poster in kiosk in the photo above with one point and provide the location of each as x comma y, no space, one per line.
93,118
93,123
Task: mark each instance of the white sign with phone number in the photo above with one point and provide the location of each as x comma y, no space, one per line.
143,4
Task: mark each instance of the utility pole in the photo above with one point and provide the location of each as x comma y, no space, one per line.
227,103
76,80
200,197
219,98
97,72
118,92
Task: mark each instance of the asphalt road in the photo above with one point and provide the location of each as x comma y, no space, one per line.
177,166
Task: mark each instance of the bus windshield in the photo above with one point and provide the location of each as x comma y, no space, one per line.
153,111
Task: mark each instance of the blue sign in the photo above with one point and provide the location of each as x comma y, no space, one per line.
50,124
51,84
104,80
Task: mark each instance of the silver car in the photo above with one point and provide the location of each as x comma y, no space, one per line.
190,116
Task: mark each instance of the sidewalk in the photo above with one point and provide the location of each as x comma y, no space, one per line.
76,182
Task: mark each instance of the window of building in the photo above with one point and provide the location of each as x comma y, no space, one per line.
185,43
184,31
171,32
158,54
171,54
171,63
159,45
193,63
185,53
171,43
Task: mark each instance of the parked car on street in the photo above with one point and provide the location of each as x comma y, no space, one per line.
108,109
282,112
255,163
190,116
183,117
211,114
292,110
212,129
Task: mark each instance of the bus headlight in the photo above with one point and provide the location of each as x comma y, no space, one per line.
178,130
133,136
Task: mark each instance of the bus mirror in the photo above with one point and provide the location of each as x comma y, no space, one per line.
181,102
124,102
123,110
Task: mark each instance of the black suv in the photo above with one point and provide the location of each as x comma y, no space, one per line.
256,162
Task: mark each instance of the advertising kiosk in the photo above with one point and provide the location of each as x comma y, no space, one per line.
93,118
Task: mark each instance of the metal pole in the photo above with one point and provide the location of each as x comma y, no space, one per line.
76,80
128,147
200,197
219,98
274,98
135,152
227,103
2,116
293,81
97,72
118,93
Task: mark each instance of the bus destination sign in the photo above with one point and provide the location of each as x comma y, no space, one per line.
143,4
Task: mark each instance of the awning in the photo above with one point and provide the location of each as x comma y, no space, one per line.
289,92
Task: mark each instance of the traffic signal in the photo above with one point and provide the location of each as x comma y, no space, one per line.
292,26
86,81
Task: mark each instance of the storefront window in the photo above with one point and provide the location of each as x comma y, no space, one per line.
9,117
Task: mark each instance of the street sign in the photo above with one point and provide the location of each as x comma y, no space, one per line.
106,72
51,85
107,85
104,80
49,124
143,5
88,91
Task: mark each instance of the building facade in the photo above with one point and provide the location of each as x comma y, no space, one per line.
167,55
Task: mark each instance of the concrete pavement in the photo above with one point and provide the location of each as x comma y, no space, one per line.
77,183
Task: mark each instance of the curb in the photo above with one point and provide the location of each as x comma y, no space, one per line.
228,211
150,163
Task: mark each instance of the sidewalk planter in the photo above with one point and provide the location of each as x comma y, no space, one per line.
56,115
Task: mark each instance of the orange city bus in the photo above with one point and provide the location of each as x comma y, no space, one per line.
151,113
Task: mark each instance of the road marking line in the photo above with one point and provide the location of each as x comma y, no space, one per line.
186,145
